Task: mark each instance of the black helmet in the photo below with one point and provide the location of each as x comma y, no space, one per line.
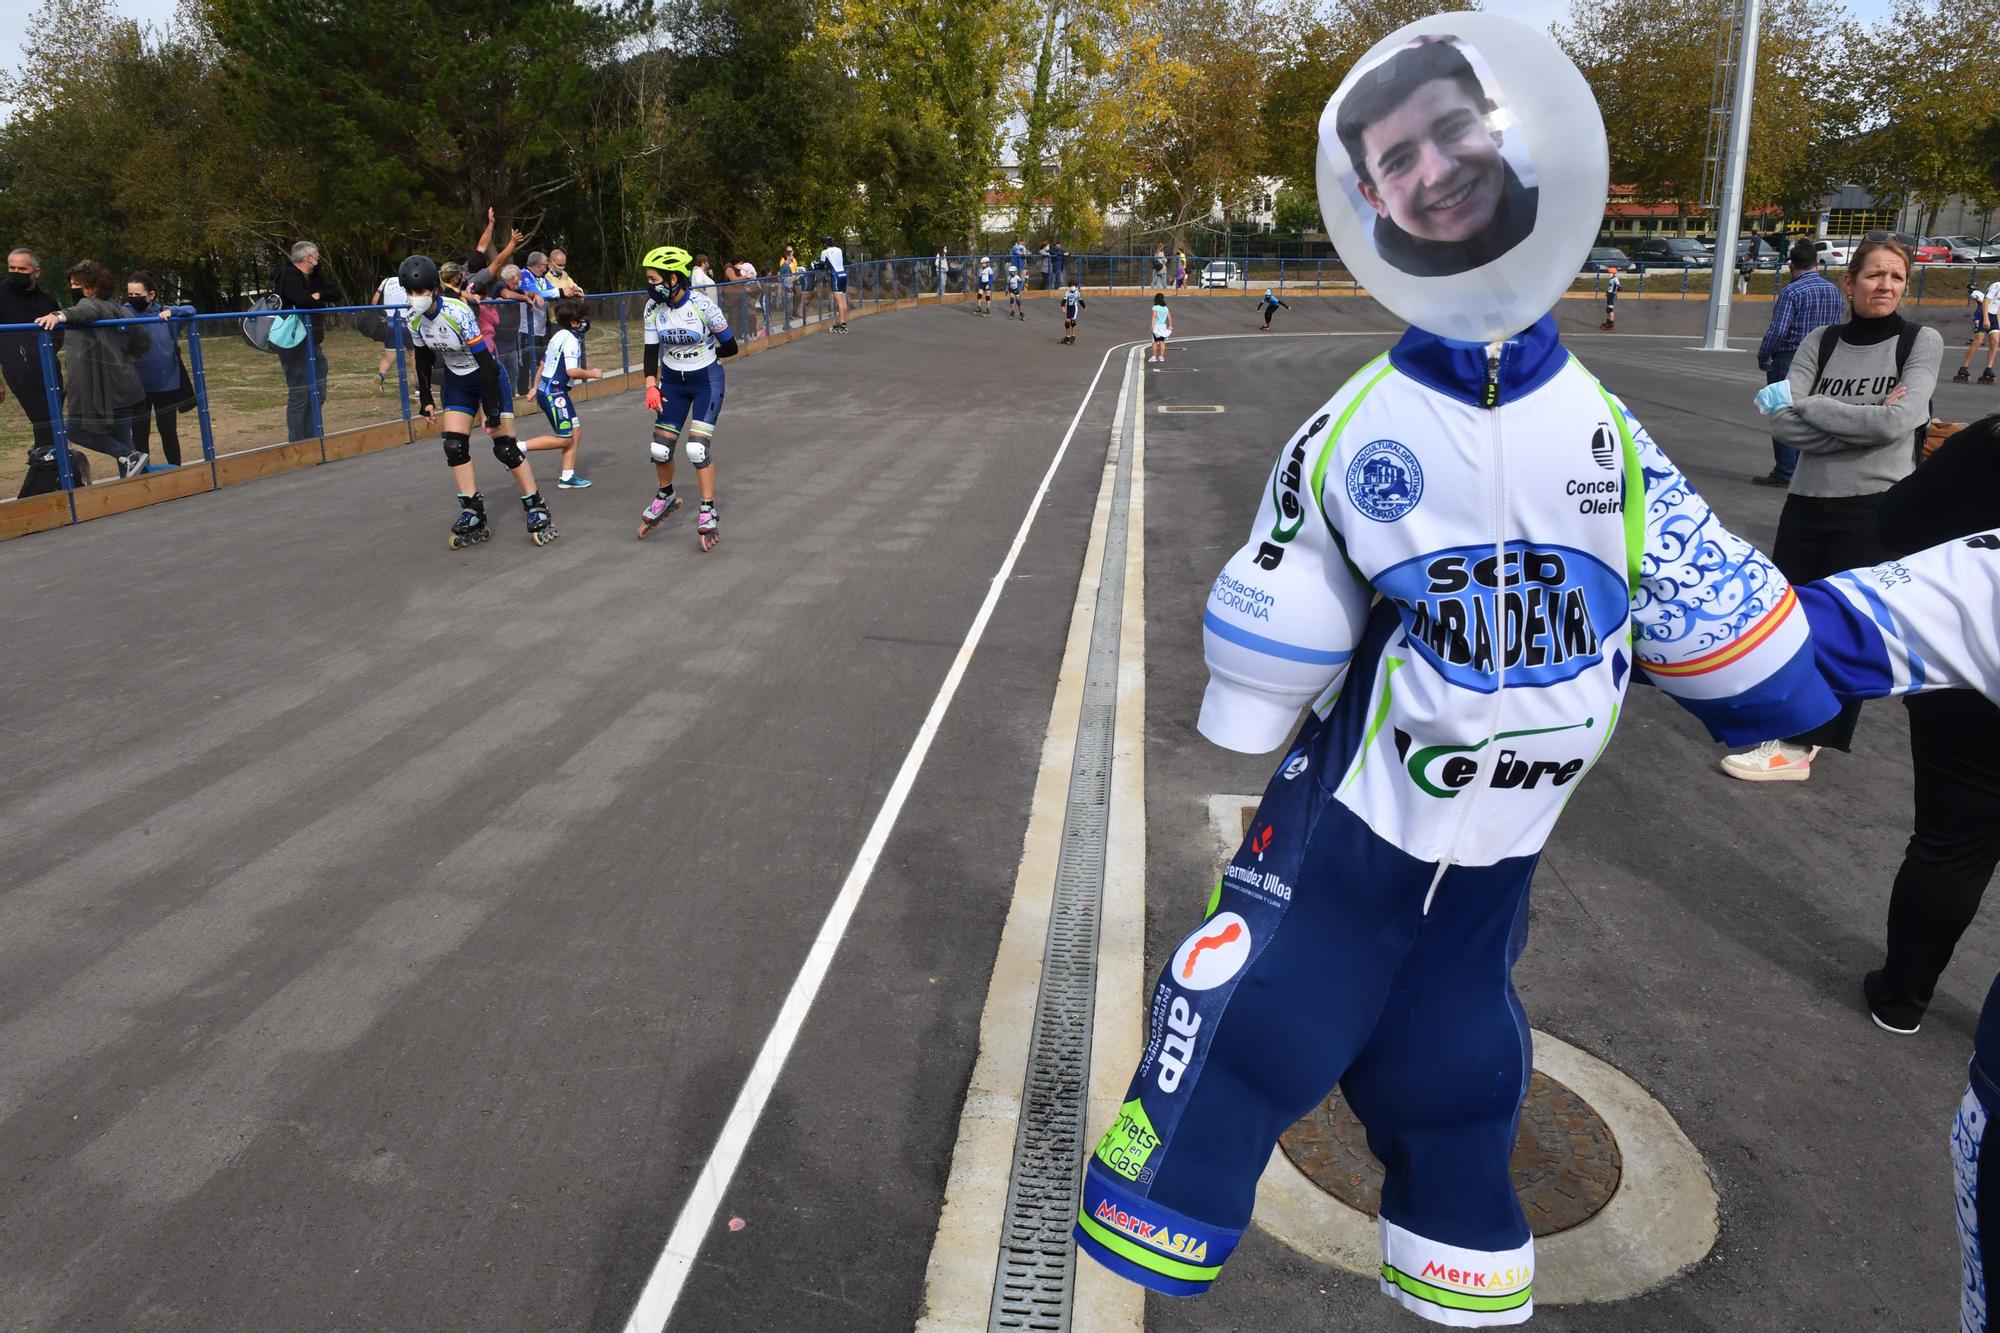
826,240
418,273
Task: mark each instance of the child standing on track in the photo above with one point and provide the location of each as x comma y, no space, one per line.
983,295
1014,310
449,342
1985,329
1268,307
1163,328
686,336
561,363
1072,303
1611,285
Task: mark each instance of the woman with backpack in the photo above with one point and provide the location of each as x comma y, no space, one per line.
101,386
1855,406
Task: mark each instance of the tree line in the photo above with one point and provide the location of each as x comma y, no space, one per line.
203,147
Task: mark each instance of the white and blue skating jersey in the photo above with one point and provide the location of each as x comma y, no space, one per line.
686,334
564,354
835,261
1013,284
451,331
1072,301
1473,588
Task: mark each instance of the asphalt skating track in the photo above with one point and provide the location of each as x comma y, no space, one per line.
386,931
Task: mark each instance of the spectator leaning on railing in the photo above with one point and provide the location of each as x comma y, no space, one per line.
300,286
169,391
100,368
22,301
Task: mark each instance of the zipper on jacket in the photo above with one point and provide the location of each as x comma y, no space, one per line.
1477,787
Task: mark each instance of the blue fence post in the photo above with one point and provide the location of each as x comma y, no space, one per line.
624,349
59,432
198,372
312,387
396,326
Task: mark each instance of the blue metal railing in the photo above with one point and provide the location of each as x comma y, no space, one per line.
775,304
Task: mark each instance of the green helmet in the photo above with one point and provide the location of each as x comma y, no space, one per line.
669,259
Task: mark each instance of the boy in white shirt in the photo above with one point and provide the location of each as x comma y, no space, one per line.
562,362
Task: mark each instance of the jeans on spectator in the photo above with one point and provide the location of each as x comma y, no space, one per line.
1822,535
1955,753
163,405
298,399
114,439
1784,458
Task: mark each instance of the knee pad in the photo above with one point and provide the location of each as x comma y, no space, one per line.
698,450
508,450
663,450
457,448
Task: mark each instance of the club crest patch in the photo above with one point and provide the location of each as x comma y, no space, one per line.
1384,481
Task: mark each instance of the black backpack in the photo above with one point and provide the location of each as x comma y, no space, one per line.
1905,340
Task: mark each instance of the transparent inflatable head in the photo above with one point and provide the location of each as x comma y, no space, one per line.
1462,174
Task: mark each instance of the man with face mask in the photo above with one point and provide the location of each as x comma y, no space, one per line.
23,301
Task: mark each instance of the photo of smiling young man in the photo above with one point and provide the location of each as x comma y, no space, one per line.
1425,138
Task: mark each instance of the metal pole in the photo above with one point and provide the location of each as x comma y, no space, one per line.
58,428
1722,279
199,374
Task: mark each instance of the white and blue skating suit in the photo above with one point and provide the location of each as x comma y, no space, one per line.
1014,283
564,354
1458,577
1072,302
681,339
448,340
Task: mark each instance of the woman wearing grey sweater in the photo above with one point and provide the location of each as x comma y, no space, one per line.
1856,421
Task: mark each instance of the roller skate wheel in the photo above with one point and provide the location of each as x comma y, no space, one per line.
543,536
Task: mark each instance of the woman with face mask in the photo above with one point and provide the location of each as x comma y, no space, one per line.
169,391
102,389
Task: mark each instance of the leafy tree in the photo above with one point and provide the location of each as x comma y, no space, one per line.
1925,94
1201,142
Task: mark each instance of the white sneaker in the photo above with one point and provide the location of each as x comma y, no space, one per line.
1773,761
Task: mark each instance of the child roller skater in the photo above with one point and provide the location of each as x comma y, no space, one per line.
1268,307
453,353
983,297
686,337
1611,286
1163,328
1072,304
1014,309
1985,332
561,363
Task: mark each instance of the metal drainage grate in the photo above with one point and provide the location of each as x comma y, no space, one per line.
1036,1276
1182,407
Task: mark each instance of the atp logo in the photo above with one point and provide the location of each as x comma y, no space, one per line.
1213,954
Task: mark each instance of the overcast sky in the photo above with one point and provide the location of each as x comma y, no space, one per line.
14,16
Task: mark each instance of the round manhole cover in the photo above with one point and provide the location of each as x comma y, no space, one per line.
1566,1163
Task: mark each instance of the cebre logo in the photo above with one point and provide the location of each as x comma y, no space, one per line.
1285,494
1446,770
1213,954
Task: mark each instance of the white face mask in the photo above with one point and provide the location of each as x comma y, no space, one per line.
420,304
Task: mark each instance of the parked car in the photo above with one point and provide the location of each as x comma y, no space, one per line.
1969,249
1221,273
1931,250
1752,252
1606,258
1833,254
1672,252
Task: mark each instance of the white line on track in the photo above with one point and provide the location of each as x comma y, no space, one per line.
669,1276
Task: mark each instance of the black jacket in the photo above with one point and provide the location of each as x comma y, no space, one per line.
301,292
1953,493
19,360
1511,224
